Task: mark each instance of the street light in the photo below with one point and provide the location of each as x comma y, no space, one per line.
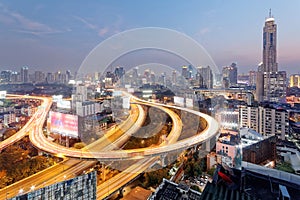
32,188
21,191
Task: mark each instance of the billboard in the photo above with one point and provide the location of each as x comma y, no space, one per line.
179,101
126,102
81,187
64,124
2,94
189,103
117,93
130,90
64,104
56,98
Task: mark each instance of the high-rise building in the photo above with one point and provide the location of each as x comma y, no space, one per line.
5,76
252,78
269,45
230,74
204,77
271,83
295,80
174,77
50,77
69,75
39,76
24,74
265,120
185,72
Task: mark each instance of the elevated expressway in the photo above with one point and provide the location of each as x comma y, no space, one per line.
69,168
41,142
27,127
145,156
107,188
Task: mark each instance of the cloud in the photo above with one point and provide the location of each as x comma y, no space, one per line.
22,24
28,24
204,31
103,31
88,24
4,19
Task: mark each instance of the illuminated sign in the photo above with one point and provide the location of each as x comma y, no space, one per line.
126,102
189,102
56,98
117,93
2,94
64,124
64,104
179,101
130,90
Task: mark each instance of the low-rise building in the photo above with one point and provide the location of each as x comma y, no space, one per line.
168,190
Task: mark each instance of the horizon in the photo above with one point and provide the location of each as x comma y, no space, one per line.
59,35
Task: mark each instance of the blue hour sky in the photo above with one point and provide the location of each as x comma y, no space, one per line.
53,35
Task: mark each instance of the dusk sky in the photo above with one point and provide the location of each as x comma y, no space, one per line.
53,35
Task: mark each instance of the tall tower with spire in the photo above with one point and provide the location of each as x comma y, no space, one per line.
270,44
271,83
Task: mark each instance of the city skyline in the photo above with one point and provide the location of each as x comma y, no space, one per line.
55,36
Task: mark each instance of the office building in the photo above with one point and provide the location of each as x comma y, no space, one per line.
39,76
204,77
174,77
186,72
230,74
295,80
252,78
24,74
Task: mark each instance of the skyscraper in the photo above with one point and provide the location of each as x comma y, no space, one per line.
230,74
24,74
269,45
295,80
185,72
204,77
271,83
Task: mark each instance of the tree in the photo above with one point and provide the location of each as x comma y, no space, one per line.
211,171
285,166
196,188
79,145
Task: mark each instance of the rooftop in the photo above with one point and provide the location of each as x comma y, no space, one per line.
168,190
252,182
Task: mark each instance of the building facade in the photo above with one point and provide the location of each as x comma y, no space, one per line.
265,120
295,80
204,77
230,74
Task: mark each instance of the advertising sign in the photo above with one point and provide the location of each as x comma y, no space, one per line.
64,124
64,104
2,94
189,103
179,101
126,102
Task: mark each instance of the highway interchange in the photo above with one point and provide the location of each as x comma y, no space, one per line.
106,148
